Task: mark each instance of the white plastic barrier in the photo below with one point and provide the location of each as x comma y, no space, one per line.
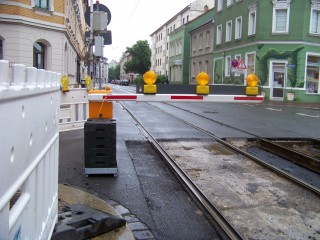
74,109
29,147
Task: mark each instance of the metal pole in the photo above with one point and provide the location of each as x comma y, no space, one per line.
91,39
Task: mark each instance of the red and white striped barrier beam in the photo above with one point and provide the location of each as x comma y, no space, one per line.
176,98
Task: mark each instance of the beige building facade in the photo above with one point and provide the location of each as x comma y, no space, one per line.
44,34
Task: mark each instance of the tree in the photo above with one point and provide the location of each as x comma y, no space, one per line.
114,72
141,55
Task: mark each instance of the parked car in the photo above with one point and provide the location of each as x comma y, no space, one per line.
124,82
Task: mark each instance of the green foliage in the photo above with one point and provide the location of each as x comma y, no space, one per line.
138,80
161,79
141,55
114,73
291,56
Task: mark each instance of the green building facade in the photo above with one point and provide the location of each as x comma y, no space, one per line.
179,49
278,40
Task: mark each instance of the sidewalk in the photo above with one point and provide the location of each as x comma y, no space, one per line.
313,105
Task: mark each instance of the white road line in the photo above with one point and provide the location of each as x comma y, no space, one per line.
274,109
306,115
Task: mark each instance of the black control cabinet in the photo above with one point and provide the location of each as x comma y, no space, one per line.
100,139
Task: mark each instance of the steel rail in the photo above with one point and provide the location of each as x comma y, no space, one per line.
282,151
198,194
252,157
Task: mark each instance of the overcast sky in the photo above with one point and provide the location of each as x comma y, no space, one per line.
134,20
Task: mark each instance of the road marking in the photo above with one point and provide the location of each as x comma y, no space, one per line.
274,109
306,115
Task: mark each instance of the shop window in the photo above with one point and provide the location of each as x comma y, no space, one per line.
238,58
250,57
312,74
38,55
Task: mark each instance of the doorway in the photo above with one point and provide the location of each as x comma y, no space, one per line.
278,80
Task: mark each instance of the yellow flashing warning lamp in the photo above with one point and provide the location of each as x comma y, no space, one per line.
202,79
87,80
150,78
252,81
65,83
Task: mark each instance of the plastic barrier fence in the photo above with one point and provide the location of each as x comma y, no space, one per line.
29,146
74,110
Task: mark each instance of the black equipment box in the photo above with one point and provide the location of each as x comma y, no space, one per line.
100,139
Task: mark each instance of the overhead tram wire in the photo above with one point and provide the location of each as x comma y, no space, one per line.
134,9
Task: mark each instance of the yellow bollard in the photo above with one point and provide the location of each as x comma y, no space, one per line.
150,78
202,79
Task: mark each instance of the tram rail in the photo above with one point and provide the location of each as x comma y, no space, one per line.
214,212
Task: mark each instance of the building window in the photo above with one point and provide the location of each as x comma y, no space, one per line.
200,66
238,28
208,39
183,21
315,17
200,41
206,66
228,31
227,66
38,55
1,49
281,16
312,73
188,18
238,58
194,69
194,47
229,2
250,62
220,5
42,4
219,34
252,19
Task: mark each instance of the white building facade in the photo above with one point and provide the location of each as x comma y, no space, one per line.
160,38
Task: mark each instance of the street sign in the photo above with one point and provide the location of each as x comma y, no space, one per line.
242,65
291,65
102,8
234,63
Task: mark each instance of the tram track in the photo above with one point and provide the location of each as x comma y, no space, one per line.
214,211
272,146
289,153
